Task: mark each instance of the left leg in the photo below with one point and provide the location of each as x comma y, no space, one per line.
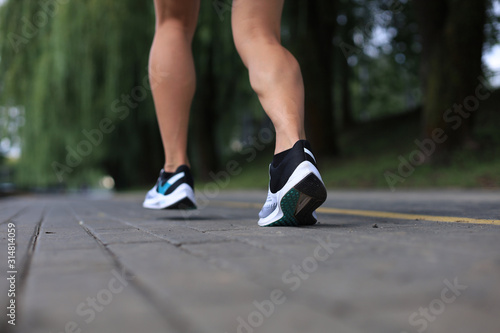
171,53
173,94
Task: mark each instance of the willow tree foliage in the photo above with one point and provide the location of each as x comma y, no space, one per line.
79,68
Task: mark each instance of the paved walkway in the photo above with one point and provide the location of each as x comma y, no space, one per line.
102,265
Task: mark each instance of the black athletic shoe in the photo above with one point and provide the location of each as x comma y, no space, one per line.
295,188
172,191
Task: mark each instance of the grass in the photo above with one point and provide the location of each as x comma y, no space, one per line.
370,150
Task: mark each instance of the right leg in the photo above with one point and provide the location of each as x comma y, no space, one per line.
274,72
295,188
173,91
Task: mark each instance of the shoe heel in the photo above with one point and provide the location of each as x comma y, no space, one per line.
299,202
312,195
313,187
184,204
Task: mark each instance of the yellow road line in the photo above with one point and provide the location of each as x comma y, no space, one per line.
372,213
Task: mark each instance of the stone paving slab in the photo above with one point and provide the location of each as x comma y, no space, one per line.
109,265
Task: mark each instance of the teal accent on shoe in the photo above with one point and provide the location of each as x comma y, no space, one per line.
288,205
163,188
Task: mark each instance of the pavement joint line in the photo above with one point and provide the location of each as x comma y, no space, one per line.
373,213
26,263
180,244
9,219
167,310
217,262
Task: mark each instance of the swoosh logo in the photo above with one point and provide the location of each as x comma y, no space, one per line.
307,151
163,188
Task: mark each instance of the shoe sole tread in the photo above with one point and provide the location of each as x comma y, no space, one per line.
301,201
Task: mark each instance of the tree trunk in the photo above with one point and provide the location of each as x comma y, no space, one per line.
315,55
345,94
205,119
452,37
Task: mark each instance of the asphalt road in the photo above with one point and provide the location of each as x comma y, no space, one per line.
376,262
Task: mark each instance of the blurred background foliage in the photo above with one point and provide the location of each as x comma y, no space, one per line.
75,104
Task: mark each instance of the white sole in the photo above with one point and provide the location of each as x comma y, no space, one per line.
306,171
160,201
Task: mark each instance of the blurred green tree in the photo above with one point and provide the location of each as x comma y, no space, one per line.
452,33
80,70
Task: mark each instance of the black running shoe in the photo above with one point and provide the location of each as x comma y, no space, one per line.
296,189
172,191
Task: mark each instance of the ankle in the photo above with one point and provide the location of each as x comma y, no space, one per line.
286,142
172,166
